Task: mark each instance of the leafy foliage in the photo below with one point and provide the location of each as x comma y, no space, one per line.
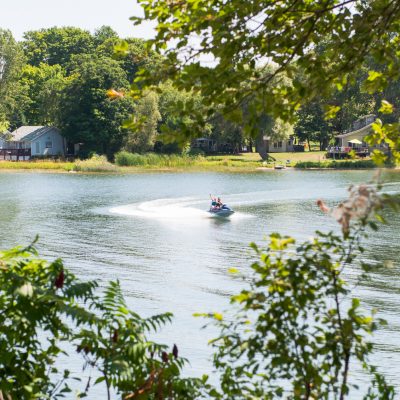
296,327
41,89
11,63
146,110
280,54
42,306
36,297
56,45
88,115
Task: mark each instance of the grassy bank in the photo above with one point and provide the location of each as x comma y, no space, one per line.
131,163
37,165
338,164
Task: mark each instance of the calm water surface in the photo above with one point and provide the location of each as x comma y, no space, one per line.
150,231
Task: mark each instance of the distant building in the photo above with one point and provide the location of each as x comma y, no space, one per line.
205,144
210,146
266,146
359,129
33,141
353,140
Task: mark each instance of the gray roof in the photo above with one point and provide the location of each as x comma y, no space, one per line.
364,128
30,133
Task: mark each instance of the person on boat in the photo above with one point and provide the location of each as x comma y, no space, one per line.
213,201
216,203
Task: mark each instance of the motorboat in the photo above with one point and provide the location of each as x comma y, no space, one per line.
223,211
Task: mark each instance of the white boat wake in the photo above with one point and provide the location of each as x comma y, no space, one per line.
182,209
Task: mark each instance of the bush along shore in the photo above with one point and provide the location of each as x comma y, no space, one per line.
343,164
131,162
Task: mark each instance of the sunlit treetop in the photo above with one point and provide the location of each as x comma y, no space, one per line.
237,52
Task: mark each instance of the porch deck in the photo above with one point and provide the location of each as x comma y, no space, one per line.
343,152
15,154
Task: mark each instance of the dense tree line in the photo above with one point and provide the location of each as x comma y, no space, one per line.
78,81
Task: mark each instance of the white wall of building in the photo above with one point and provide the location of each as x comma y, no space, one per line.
281,146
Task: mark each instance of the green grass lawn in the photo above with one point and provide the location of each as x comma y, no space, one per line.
254,159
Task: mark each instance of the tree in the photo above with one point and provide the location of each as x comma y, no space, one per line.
227,133
240,36
56,45
174,118
103,34
11,63
312,125
88,115
42,87
147,111
134,55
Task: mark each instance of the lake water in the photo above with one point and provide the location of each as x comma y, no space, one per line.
151,232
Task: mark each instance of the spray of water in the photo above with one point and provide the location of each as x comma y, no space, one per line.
183,209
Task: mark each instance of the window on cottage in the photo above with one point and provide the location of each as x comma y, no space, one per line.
37,147
49,145
280,144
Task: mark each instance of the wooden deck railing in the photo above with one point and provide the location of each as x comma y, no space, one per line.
15,154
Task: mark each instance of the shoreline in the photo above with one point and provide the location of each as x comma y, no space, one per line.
141,170
241,163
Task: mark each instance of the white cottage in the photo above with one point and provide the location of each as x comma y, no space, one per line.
33,141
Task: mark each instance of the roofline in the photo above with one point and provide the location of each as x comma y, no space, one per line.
37,137
354,132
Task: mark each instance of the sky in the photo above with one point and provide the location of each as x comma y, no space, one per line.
20,16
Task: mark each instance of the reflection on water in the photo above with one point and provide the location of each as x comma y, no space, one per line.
151,231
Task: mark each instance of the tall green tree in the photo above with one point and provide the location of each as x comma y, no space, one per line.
42,87
88,115
56,45
103,34
312,126
144,139
11,64
173,118
134,55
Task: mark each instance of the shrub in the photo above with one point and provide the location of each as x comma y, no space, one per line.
95,164
43,305
291,334
196,152
126,159
345,164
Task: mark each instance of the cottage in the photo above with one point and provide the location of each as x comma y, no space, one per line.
33,141
205,144
353,140
266,145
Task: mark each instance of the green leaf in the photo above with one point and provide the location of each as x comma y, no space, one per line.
386,107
